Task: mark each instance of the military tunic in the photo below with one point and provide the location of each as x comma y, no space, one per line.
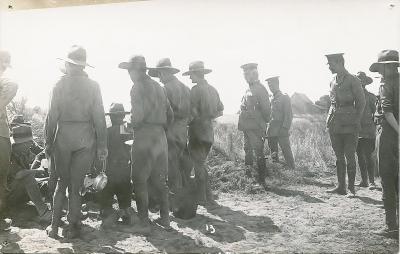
151,113
74,127
8,90
278,128
179,97
205,106
118,171
343,121
388,152
366,140
254,115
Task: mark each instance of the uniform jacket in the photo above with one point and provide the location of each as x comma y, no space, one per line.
205,106
368,128
76,99
150,105
255,109
389,99
281,116
179,97
8,90
118,160
347,104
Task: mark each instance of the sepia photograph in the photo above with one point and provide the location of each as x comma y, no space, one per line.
199,126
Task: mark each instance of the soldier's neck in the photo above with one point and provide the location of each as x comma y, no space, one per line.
254,82
341,73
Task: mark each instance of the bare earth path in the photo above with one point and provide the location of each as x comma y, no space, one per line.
286,219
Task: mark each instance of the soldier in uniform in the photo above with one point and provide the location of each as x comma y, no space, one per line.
281,120
179,97
151,114
366,139
75,129
8,90
118,169
343,121
388,151
254,115
21,177
205,107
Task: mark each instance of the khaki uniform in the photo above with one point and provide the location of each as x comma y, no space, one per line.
151,113
8,90
388,151
278,128
118,172
254,115
179,97
74,127
343,121
366,140
205,106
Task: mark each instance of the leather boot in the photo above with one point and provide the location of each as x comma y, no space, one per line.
341,176
262,169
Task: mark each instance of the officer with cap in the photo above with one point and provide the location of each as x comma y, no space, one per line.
254,115
343,121
151,114
205,107
8,89
75,130
279,126
388,135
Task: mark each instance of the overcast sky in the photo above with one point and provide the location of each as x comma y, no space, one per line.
287,38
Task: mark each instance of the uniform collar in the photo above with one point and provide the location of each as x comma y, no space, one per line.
277,94
255,83
340,78
170,79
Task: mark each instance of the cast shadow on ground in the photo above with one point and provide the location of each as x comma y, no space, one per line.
25,216
311,181
256,224
9,242
291,193
175,242
370,201
218,230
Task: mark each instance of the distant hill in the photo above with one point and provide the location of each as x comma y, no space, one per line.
301,104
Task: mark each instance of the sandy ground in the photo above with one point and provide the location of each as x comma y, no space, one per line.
285,219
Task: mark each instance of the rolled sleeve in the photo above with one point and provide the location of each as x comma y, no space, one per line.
387,100
8,90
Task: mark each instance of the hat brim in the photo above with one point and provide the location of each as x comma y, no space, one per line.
375,66
118,113
69,60
154,72
203,71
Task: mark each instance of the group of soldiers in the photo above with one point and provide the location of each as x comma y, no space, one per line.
351,121
151,159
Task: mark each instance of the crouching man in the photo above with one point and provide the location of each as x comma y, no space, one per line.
118,170
21,179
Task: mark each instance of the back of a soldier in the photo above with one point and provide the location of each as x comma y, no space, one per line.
75,96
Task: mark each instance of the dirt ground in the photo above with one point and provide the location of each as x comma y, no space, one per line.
301,218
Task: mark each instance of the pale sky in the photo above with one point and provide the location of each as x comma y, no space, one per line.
287,38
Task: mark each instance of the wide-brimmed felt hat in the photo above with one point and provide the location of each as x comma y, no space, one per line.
163,64
249,66
21,134
196,67
134,62
365,80
5,58
76,55
386,56
17,120
334,57
117,108
273,78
